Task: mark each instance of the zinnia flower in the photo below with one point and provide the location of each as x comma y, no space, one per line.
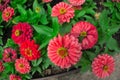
76,2
86,32
103,65
21,32
64,51
1,67
116,0
63,11
22,66
14,77
29,50
7,14
3,4
9,55
46,1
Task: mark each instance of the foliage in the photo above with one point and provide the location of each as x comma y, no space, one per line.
38,15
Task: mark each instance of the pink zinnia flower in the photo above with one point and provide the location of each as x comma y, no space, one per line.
3,4
14,77
21,32
22,66
116,0
87,34
7,14
1,67
63,11
46,1
76,2
9,55
64,51
29,50
103,65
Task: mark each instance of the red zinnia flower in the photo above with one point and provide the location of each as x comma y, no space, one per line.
64,51
22,66
21,32
29,50
63,11
86,32
3,4
76,2
103,65
7,14
9,55
46,1
1,67
14,77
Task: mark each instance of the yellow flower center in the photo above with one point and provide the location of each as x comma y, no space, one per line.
15,79
83,34
105,68
7,14
97,15
62,52
18,33
37,9
62,11
21,65
28,51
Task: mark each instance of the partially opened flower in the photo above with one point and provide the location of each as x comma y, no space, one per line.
14,77
64,51
103,65
3,4
63,11
1,67
86,33
29,50
46,1
7,14
9,55
21,32
22,66
76,2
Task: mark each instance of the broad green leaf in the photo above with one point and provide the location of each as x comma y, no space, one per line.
43,19
45,30
21,10
55,26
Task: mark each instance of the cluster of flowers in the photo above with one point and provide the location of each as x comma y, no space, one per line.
63,51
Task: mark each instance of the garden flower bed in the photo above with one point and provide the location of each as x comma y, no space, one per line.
40,38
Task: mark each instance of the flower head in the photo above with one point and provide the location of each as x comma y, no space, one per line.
9,55
22,66
1,67
116,0
7,14
76,2
103,65
3,4
46,1
29,50
21,32
14,77
63,11
86,32
64,51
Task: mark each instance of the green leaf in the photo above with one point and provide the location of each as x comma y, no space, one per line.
45,30
104,20
55,26
113,45
80,14
65,28
49,8
10,43
21,10
43,19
